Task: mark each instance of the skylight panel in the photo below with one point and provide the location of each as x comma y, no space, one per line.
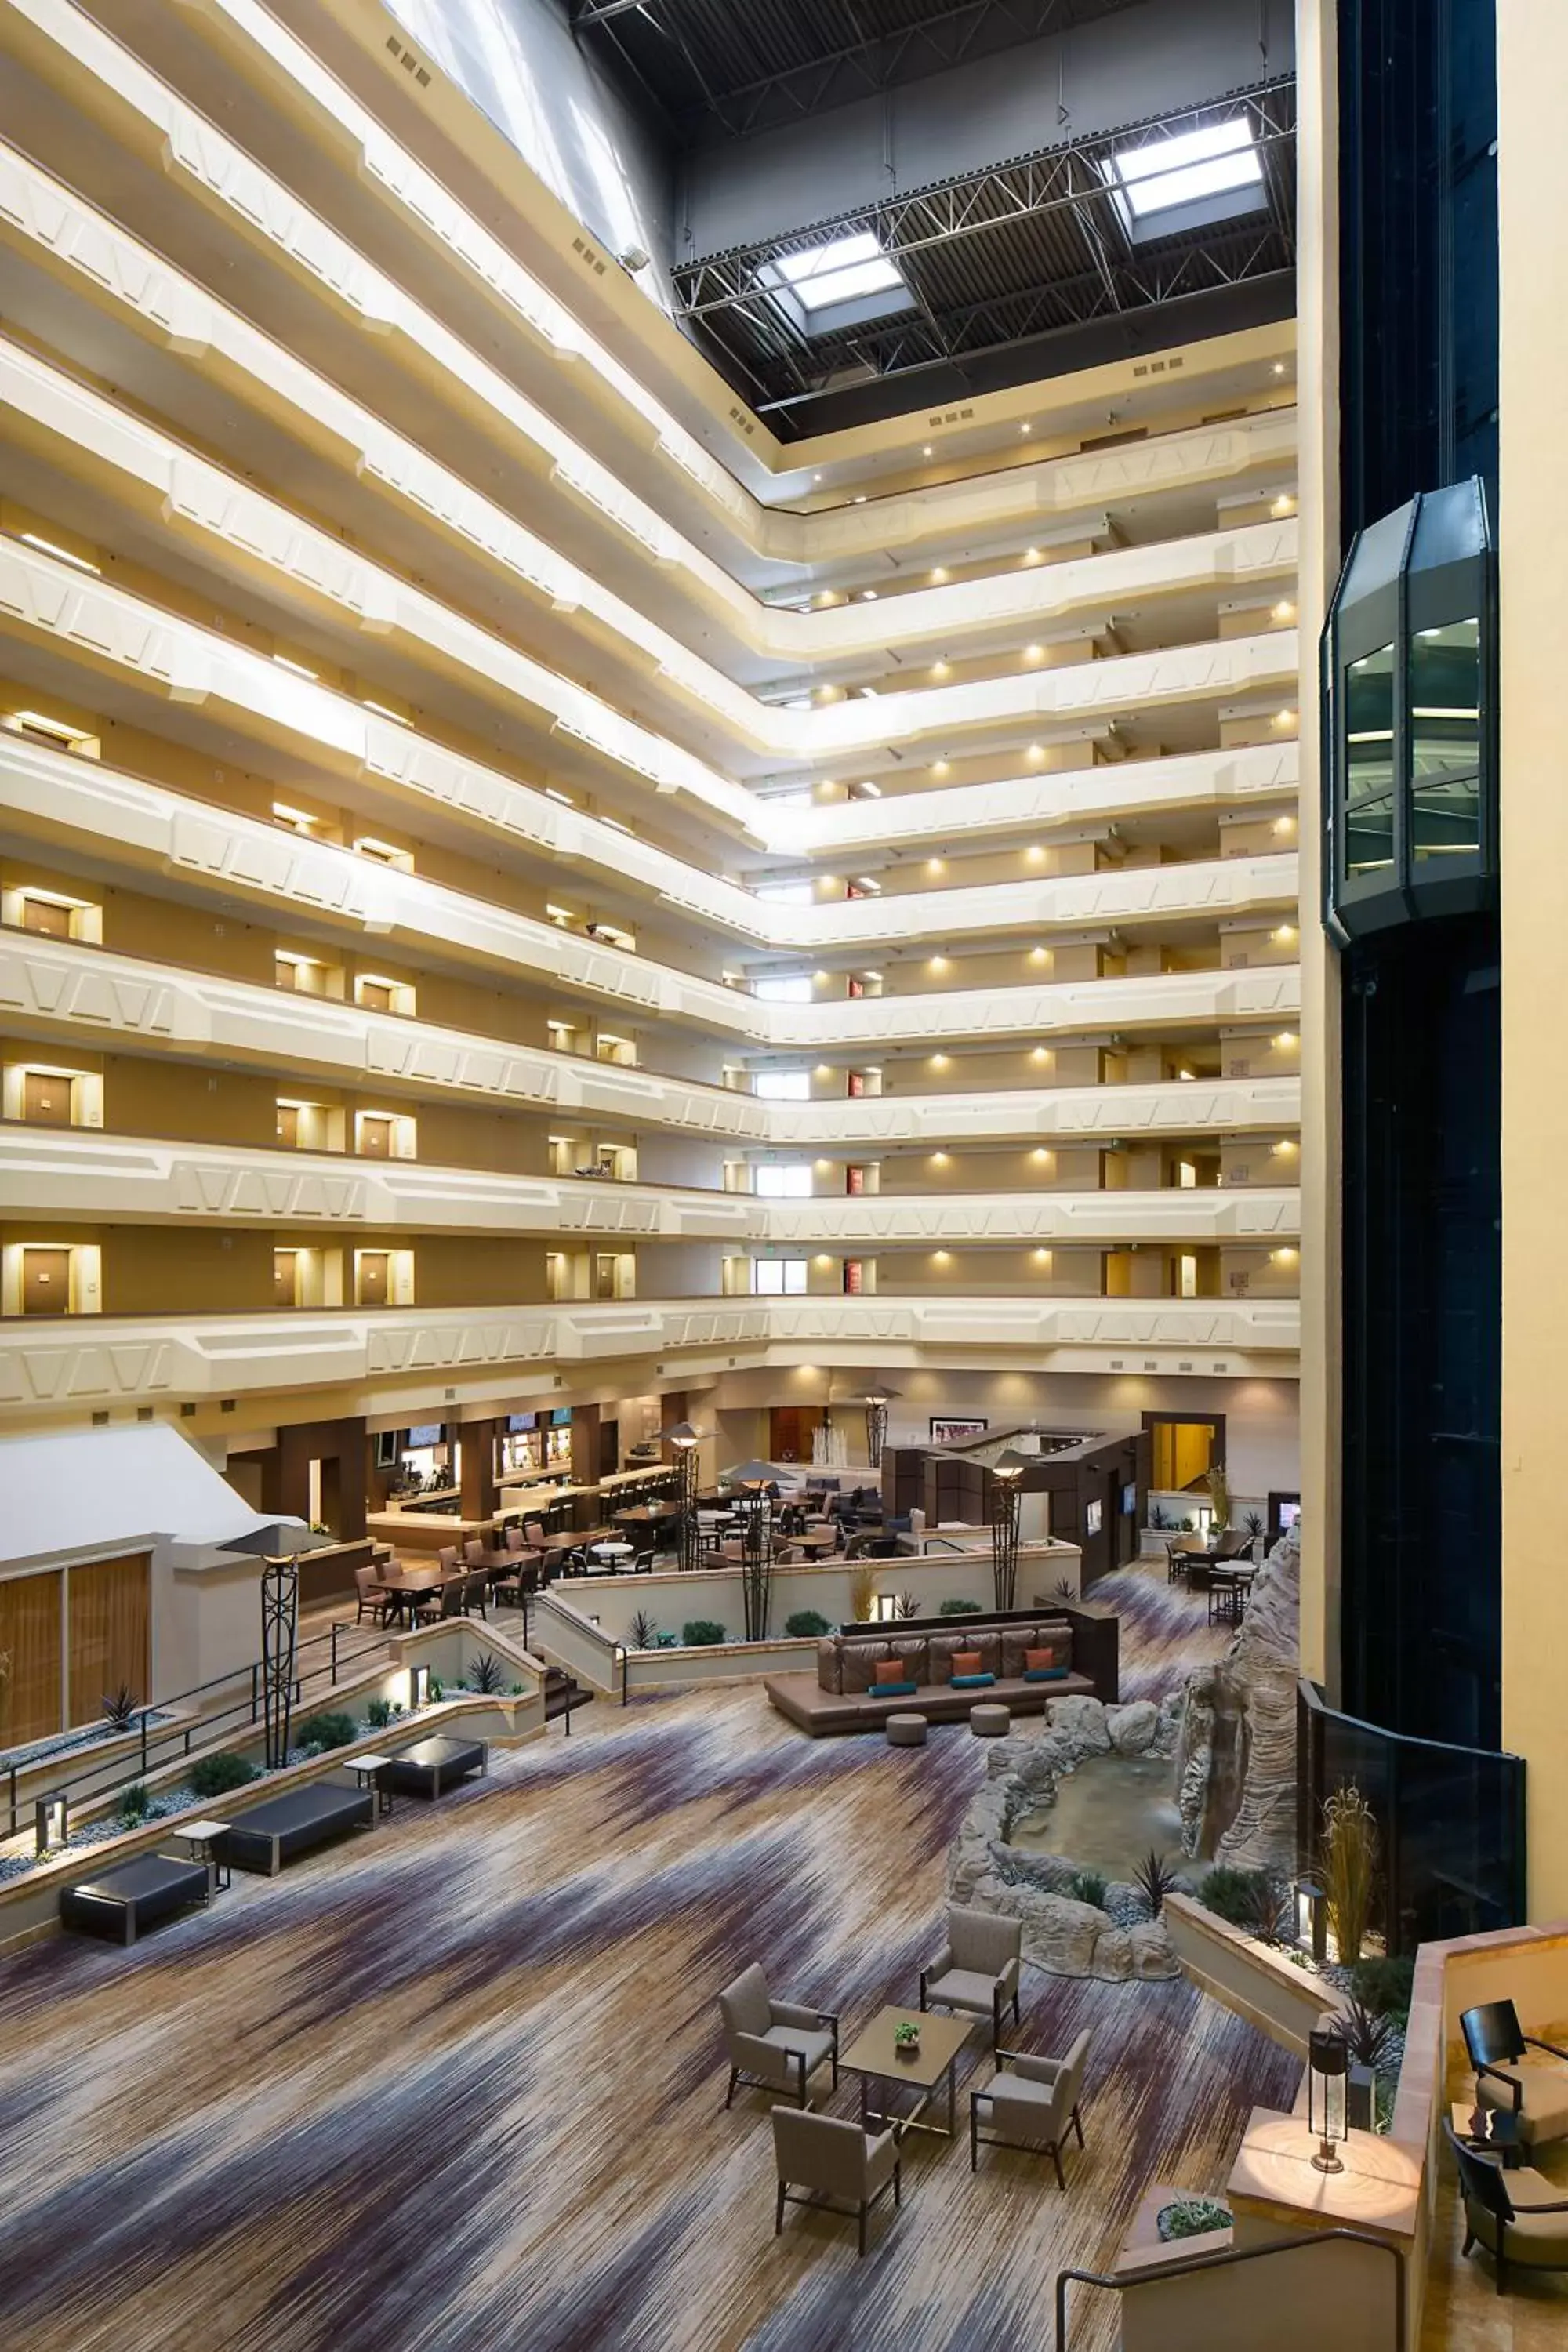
1220,160
843,270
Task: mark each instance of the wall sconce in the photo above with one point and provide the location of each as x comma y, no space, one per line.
1327,2066
1312,1920
51,1821
419,1689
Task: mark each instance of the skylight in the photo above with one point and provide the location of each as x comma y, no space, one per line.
842,270
1220,160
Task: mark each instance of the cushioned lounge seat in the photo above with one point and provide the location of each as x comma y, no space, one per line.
265,1836
431,1767
135,1896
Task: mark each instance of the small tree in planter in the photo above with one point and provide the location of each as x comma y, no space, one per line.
1350,1868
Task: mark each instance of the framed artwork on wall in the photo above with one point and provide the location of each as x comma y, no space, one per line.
1093,1516
945,1432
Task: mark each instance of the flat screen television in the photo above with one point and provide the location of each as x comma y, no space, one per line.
1129,1499
427,1432
561,1416
517,1423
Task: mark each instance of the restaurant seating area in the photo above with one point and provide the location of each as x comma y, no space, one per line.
1018,1662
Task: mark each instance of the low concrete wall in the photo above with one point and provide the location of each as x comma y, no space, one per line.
1252,1979
673,1598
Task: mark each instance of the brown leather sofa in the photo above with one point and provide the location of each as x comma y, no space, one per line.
843,1696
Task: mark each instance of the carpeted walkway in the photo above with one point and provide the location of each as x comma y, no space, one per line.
460,2084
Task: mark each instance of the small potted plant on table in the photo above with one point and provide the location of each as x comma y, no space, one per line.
906,2040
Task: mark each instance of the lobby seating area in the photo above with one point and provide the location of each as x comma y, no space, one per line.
534,1968
1019,1661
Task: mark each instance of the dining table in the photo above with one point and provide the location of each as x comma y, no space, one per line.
410,1589
647,1515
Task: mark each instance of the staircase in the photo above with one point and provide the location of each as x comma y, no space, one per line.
563,1693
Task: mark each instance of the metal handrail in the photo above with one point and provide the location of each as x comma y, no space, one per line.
101,1776
1187,2267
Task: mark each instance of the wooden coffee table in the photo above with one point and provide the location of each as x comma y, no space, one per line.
873,2056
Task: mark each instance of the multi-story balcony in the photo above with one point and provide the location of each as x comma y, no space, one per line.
118,1180
159,1360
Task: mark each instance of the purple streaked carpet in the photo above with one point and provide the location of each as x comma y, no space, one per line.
458,2084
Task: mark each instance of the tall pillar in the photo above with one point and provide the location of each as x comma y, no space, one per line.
585,1445
476,1468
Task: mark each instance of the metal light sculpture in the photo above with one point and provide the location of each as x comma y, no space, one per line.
279,1638
685,1439
756,1515
1006,1473
877,1398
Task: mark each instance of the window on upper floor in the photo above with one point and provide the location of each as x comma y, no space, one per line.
794,990
783,1184
782,1086
778,1277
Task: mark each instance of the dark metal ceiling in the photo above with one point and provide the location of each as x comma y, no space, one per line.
1024,269
1013,257
727,68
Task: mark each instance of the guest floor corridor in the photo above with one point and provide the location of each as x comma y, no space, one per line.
458,2084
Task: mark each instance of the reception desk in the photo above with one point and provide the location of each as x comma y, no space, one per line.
410,1531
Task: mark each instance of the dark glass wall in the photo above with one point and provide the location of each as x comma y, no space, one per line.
1421,1631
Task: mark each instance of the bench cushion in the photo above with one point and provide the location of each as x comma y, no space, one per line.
272,1832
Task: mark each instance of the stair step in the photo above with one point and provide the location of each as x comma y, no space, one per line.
561,1691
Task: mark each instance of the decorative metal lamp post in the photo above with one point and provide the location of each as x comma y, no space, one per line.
753,1479
1005,1472
1327,2061
877,1398
685,1440
279,1637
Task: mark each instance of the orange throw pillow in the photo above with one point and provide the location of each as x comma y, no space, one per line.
1040,1662
967,1662
891,1670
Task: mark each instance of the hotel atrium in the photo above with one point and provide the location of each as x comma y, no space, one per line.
759,768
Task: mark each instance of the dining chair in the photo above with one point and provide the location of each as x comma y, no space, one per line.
373,1597
475,1594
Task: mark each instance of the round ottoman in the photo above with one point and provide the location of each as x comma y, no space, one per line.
906,1730
990,1722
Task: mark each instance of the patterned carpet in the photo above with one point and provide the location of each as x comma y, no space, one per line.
460,2084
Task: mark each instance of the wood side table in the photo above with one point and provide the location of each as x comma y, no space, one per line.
873,2056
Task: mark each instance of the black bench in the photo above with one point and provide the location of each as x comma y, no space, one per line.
431,1767
132,1895
267,1836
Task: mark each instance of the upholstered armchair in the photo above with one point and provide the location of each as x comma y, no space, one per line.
977,1968
1533,2089
775,2045
1032,2103
836,2164
1520,2217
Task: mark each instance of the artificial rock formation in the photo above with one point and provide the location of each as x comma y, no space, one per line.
1236,1761
1062,1934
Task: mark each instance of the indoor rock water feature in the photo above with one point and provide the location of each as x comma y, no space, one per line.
1092,1791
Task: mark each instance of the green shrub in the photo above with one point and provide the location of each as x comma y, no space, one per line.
1088,1886
1191,2217
135,1804
378,1713
960,1608
328,1731
214,1776
1237,1895
1384,1986
806,1624
701,1633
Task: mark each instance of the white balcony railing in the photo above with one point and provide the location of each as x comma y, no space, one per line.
125,1180
151,1360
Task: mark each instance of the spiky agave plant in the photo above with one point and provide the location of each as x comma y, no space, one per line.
1154,1879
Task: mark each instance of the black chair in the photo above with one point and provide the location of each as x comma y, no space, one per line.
1536,2097
642,1563
1518,2217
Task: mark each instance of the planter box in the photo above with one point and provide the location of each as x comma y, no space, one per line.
1251,1979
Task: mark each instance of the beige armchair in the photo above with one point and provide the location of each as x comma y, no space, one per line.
977,1968
1520,2217
1526,2077
836,2165
776,2045
1033,2105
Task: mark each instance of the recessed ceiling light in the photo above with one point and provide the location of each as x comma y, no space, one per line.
51,547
